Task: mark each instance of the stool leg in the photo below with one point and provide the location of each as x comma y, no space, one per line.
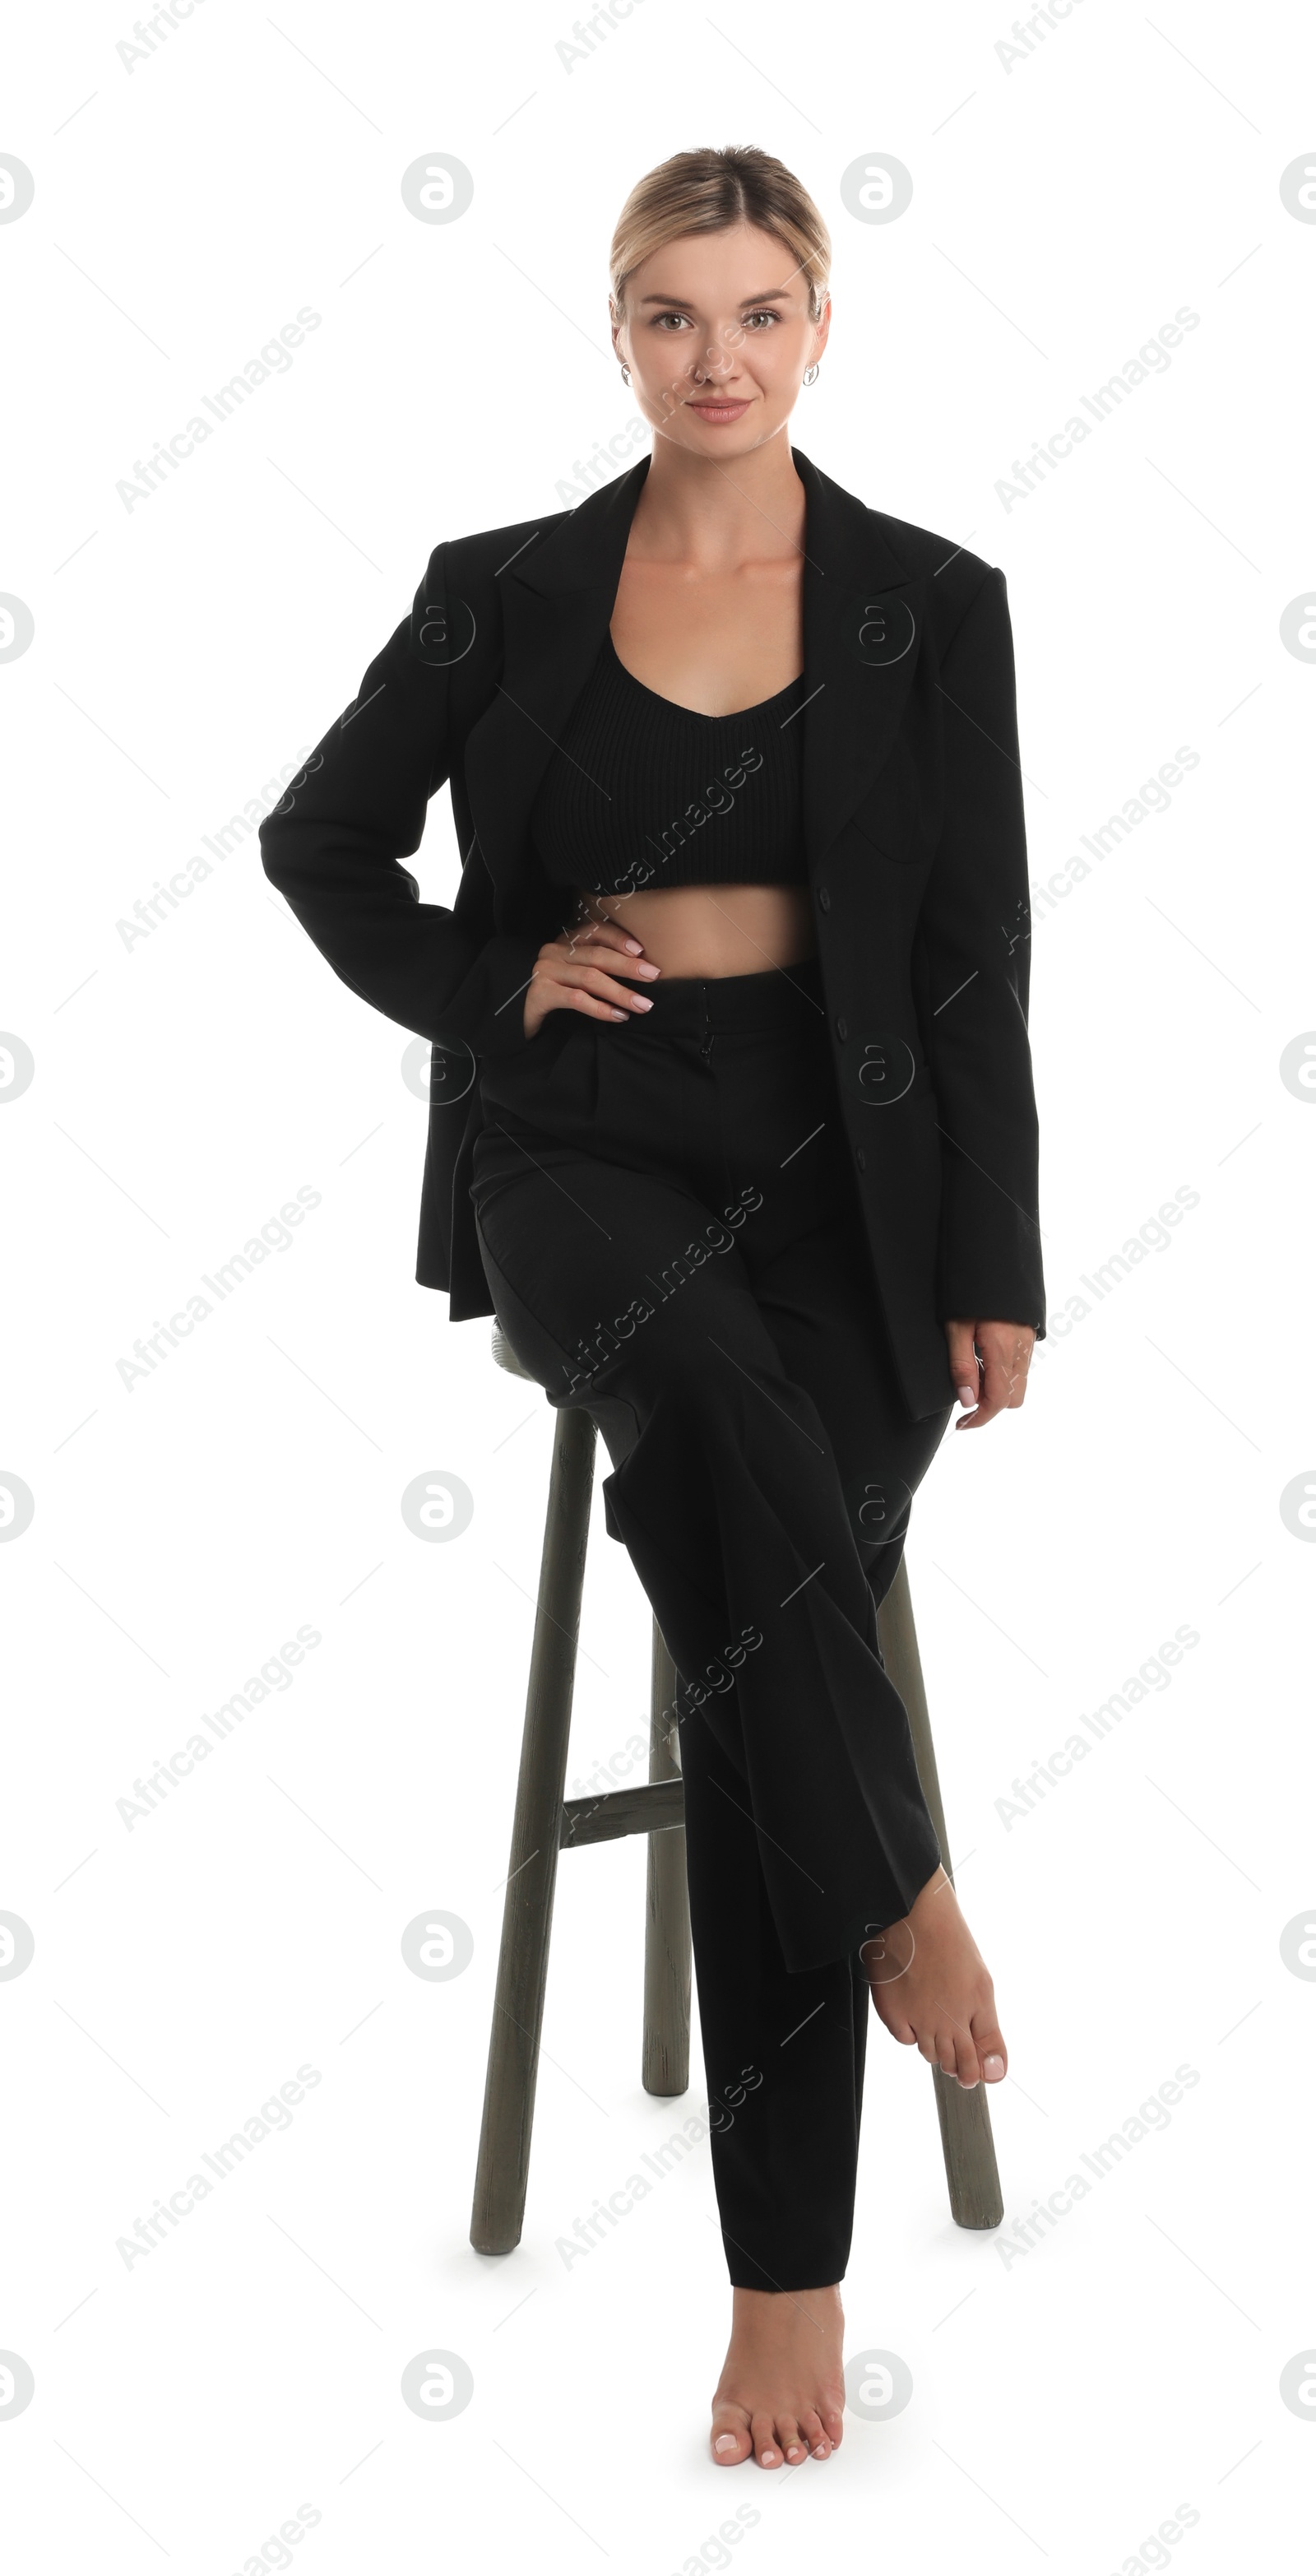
503,2168
966,2129
666,2059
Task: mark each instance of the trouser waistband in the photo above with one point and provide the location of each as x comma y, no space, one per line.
781,997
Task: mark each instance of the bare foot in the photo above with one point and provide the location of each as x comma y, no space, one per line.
931,1987
782,2388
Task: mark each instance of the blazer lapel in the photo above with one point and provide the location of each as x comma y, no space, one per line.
863,622
557,600
863,632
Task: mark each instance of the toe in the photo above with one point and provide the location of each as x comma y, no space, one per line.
763,2431
730,2436
833,2423
990,2046
790,2441
812,2432
945,2051
967,2066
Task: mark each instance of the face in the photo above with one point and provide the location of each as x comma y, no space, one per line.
717,337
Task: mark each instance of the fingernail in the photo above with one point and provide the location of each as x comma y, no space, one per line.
634,947
967,1394
640,1004
618,1015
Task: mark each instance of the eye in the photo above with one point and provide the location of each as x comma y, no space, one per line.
764,314
660,318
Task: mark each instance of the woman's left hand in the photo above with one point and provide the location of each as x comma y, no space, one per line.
993,1378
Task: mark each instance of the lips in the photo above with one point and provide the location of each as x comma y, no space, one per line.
719,410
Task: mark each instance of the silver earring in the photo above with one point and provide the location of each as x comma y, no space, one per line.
811,374
625,373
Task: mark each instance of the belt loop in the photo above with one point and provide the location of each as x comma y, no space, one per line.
706,1034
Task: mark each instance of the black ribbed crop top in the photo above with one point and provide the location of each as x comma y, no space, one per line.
641,792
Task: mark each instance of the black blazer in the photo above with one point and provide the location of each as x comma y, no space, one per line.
914,836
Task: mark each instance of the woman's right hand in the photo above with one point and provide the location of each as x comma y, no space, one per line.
566,976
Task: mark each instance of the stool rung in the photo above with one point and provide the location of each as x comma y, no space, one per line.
651,1807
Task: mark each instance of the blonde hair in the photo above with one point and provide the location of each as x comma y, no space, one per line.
706,192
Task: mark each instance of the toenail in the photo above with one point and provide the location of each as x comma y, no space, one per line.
993,2067
725,2442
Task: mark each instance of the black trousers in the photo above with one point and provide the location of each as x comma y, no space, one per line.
670,1233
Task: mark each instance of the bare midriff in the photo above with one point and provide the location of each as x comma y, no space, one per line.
709,931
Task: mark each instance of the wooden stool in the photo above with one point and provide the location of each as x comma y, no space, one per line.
546,1822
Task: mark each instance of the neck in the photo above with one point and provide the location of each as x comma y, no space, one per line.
714,516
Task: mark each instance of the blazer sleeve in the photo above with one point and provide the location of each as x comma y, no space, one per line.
334,843
974,931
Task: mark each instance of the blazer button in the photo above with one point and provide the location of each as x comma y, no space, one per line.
861,1158
824,899
842,1031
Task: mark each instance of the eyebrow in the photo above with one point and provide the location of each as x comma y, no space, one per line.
773,295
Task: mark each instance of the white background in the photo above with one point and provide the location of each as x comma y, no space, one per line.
189,650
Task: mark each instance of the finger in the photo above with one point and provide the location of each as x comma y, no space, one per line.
625,957
990,1401
966,2066
620,962
1010,1347
962,1359
606,934
594,980
573,997
999,1383
970,1387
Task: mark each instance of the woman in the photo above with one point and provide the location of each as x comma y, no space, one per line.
733,1126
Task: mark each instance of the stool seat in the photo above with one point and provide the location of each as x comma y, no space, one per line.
505,1355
